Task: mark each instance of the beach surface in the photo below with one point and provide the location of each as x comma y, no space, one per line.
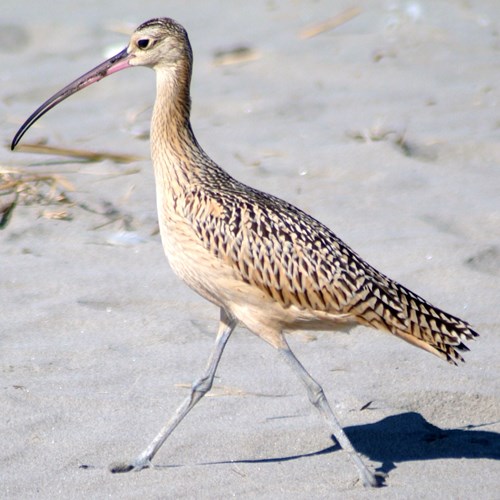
385,127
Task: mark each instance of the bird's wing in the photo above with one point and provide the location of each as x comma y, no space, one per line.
298,261
291,256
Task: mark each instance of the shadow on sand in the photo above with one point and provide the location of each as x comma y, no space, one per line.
407,437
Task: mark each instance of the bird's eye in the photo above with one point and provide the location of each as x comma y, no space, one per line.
144,43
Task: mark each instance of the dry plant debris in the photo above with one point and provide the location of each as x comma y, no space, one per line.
18,186
76,153
379,133
224,390
236,55
329,24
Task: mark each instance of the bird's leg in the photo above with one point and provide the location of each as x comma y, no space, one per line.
318,399
199,388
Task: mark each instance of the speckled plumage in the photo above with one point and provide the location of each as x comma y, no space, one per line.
264,262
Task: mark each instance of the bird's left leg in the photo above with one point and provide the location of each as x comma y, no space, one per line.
318,399
199,388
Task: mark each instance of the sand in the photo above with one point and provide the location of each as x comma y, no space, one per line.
385,128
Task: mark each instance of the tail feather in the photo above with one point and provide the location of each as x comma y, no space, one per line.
401,312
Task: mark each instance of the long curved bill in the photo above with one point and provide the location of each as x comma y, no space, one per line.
112,65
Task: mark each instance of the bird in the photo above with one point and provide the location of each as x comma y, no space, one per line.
266,264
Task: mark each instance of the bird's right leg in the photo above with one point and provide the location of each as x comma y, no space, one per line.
318,399
199,388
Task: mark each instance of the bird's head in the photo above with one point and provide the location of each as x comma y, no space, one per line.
158,43
161,44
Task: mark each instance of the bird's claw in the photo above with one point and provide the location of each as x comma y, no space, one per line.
136,465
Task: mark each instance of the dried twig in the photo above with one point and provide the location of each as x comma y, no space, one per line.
334,22
90,156
224,390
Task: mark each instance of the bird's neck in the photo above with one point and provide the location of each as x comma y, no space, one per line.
177,156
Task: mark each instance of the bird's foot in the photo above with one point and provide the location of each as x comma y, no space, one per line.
136,465
371,480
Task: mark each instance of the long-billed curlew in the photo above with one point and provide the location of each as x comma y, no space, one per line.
262,261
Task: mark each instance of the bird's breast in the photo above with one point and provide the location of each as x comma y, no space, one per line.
188,257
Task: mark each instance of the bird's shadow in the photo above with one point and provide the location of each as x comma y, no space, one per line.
403,438
409,437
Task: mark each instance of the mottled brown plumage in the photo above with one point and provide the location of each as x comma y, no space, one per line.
264,262
299,263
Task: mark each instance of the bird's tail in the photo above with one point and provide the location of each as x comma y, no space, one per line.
398,310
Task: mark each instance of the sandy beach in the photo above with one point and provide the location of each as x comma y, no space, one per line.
386,128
